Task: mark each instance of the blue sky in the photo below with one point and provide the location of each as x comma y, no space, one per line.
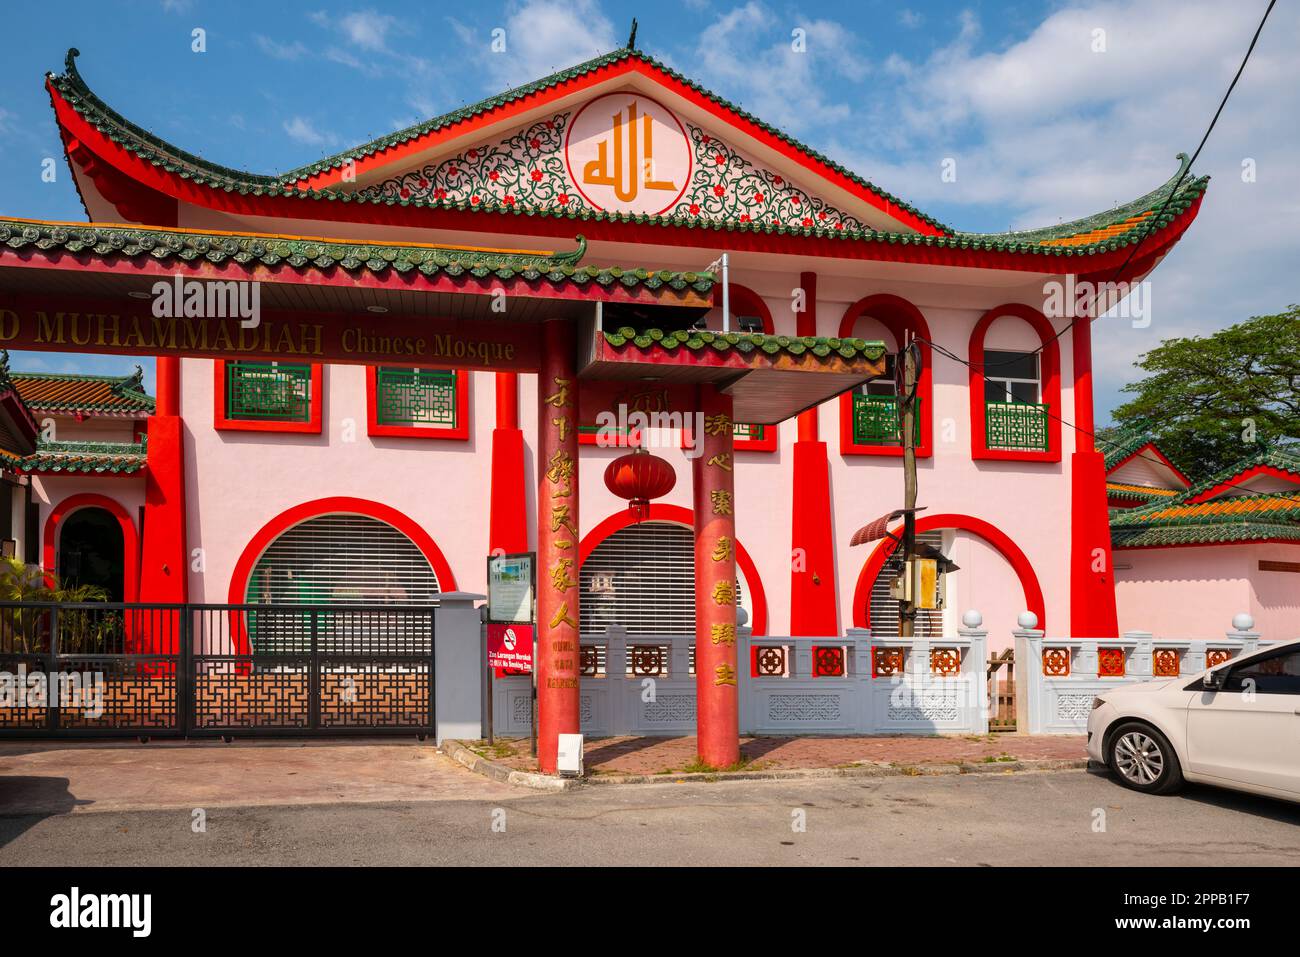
1042,124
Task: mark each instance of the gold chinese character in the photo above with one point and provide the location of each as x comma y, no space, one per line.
560,471
721,501
562,617
562,543
562,426
723,634
719,424
724,592
560,518
722,550
560,575
722,460
561,398
724,675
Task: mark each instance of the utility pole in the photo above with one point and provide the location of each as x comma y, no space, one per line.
907,419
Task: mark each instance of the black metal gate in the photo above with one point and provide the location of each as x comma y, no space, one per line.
100,669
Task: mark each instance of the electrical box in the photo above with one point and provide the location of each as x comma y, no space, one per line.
568,759
926,587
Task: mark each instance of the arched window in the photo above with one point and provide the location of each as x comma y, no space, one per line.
870,419
1015,386
749,313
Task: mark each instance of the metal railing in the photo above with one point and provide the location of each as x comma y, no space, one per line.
170,669
268,391
1015,426
425,397
877,420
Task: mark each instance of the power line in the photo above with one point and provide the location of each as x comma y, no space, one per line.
1148,230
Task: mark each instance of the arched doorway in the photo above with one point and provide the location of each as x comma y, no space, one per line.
642,577
341,560
997,540
337,551
92,552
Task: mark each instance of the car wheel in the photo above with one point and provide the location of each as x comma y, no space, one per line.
1144,759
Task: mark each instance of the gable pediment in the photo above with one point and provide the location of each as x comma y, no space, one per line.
623,152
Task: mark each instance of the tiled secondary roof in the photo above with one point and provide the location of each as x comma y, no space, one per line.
1104,232
697,339
1138,493
86,457
308,253
72,393
1236,518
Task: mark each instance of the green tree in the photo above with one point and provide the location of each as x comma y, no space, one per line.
1211,401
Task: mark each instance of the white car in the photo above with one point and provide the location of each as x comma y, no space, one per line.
1236,725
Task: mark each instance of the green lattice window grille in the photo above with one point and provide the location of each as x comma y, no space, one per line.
268,391
876,420
1018,426
423,397
746,432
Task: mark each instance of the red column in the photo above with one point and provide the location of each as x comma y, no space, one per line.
1092,578
716,675
813,605
557,542
164,561
508,515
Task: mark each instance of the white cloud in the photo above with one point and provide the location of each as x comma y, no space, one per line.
367,29
1046,130
280,51
541,37
302,130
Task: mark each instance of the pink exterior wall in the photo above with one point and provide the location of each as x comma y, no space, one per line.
1194,592
238,481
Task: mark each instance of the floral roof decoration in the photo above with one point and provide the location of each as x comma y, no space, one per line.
699,339
306,253
1105,232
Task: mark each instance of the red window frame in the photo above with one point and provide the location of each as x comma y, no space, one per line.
220,421
898,316
1049,374
457,433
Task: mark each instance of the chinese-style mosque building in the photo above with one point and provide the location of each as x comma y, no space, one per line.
1230,540
436,343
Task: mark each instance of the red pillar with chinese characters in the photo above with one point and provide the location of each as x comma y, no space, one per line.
1092,577
556,656
813,606
717,712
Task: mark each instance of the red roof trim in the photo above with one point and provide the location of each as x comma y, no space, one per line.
1243,476
520,223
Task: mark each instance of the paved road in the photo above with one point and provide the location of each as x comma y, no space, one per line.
1034,818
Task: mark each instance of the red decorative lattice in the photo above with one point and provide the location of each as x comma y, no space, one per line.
648,660
769,662
1110,662
945,661
1165,663
886,662
828,662
1056,662
1217,656
588,661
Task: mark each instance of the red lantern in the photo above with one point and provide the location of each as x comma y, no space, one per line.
639,477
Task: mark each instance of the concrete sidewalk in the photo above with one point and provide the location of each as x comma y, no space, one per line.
657,755
79,777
